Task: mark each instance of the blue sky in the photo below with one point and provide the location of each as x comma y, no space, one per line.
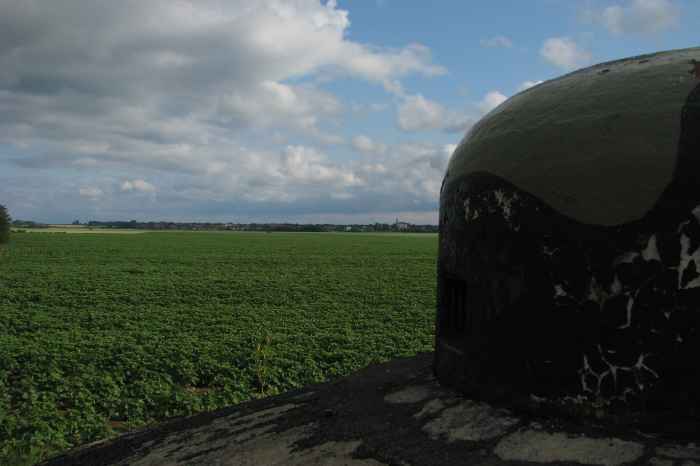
300,111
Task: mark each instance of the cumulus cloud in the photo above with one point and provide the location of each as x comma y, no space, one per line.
138,185
200,95
491,100
91,192
416,113
497,41
366,145
564,53
638,16
275,104
401,176
179,72
307,165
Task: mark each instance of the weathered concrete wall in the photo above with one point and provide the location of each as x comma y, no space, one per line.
569,263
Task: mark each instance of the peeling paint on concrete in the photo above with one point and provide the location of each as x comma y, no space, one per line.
256,447
470,420
431,407
261,448
660,462
220,434
690,451
546,447
328,454
410,394
270,449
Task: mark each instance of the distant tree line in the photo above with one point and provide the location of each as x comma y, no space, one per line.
271,227
28,224
5,223
209,226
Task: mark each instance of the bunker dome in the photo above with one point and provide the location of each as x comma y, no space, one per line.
569,256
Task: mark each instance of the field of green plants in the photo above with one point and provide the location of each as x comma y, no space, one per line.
100,334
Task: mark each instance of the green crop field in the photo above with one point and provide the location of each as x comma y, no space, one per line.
100,334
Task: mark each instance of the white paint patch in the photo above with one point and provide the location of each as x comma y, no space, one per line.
410,394
505,202
696,212
596,293
694,283
651,252
630,306
543,447
616,286
470,420
470,213
626,258
559,291
686,258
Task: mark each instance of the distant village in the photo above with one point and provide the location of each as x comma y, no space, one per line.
397,226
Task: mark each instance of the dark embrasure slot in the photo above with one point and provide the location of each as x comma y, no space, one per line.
454,307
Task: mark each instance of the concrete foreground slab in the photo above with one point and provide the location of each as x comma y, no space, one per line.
545,447
386,414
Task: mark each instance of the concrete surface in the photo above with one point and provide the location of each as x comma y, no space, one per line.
387,414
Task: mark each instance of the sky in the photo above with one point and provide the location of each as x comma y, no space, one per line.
300,111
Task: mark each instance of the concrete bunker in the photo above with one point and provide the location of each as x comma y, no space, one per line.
569,251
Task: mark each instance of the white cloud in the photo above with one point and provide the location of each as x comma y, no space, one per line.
367,145
138,185
417,113
528,84
200,95
497,41
385,66
275,104
491,100
91,192
307,165
564,53
638,16
180,72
